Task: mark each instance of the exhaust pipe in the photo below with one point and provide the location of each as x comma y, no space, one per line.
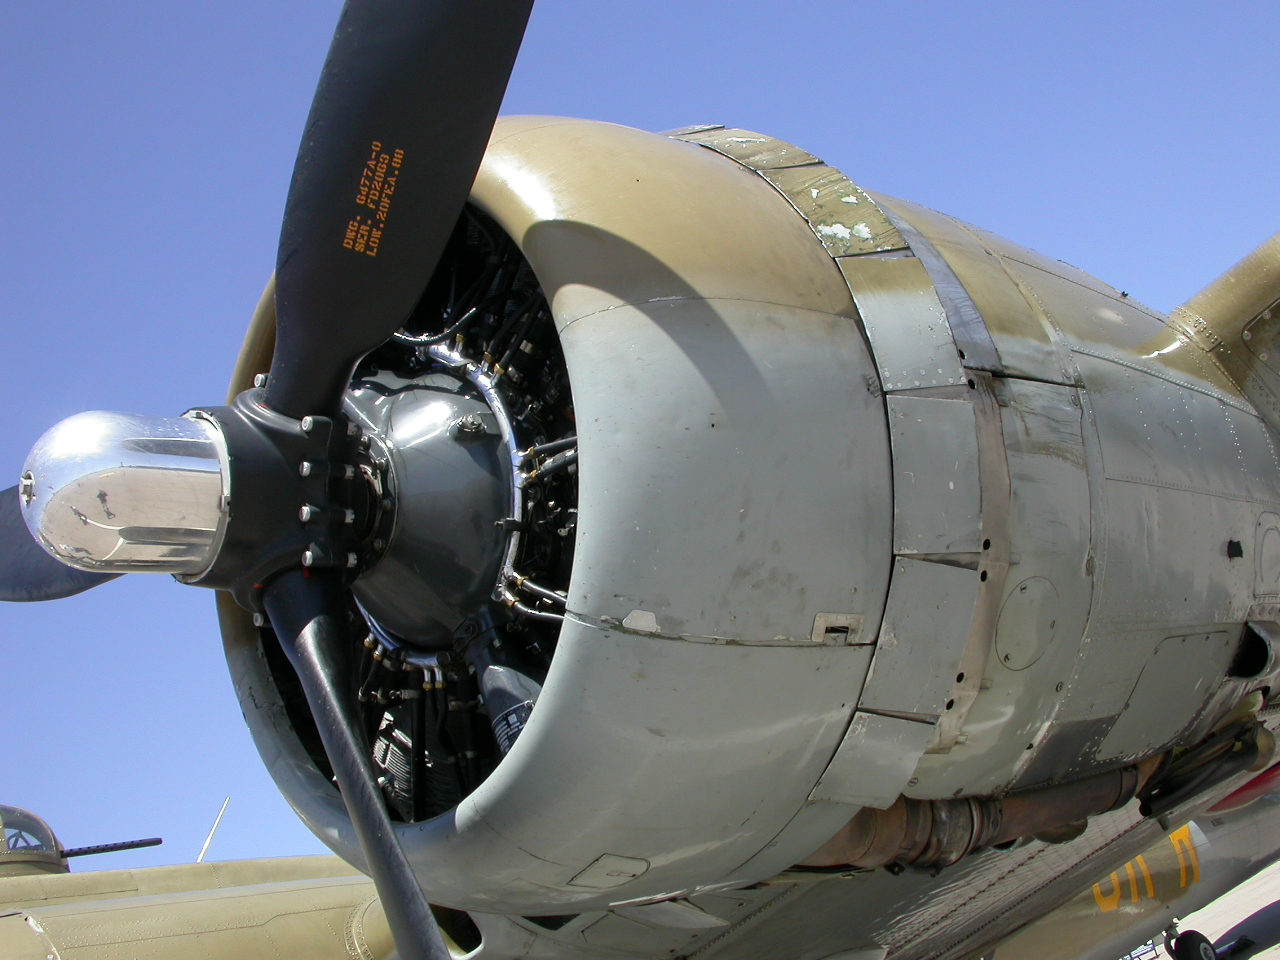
932,834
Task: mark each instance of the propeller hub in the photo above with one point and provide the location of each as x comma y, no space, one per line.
449,479
125,493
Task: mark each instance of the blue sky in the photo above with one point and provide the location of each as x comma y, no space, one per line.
146,149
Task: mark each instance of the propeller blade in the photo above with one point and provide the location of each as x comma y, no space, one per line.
308,617
27,573
400,121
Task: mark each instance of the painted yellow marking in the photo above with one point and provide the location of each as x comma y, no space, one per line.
1185,847
379,176
1108,903
1146,876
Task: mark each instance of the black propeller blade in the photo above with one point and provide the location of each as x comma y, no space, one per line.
27,573
399,124
400,121
308,617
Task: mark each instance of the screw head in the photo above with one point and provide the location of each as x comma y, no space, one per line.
308,558
348,516
348,472
259,620
352,560
304,468
306,512
470,424
259,380
27,488
308,423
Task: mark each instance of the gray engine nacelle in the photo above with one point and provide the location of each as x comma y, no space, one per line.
864,510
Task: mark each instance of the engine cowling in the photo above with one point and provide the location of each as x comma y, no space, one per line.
733,538
844,531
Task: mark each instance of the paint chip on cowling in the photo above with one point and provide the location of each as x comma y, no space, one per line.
862,231
838,230
813,192
641,621
850,200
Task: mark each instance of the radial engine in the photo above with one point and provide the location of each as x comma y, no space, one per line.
710,515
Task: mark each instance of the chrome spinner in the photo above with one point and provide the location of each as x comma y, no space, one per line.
125,493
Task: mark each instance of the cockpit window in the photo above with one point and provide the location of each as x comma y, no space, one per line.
24,833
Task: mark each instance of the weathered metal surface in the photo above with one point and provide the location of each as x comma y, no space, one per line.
845,219
1174,673
916,314
617,934
1167,561
610,216
994,558
1186,472
337,918
1090,317
1158,433
875,761
904,321
709,383
973,340
900,308
1266,556
936,489
1028,623
1009,313
930,608
1262,340
1236,319
1067,749
1046,535
47,891
754,150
